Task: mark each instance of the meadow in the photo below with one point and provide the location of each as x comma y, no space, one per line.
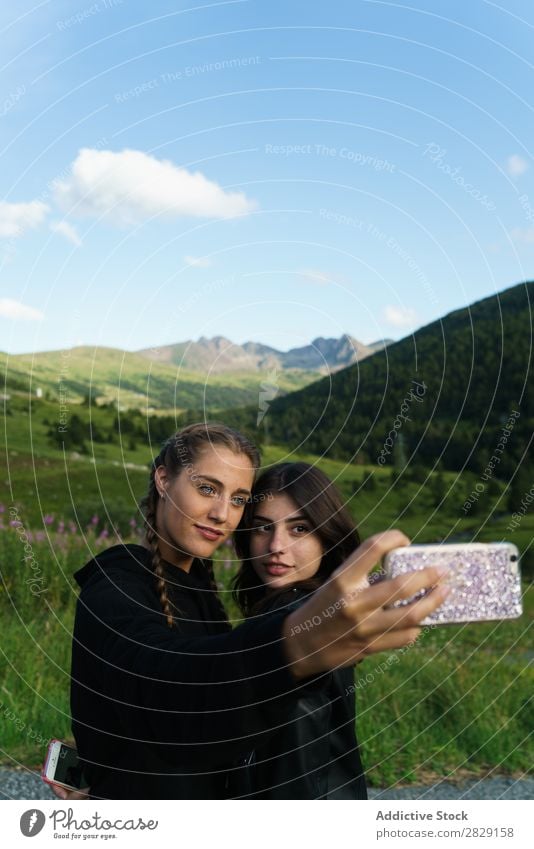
459,702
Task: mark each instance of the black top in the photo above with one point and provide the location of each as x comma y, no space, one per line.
164,713
314,752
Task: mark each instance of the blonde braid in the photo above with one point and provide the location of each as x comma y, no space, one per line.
150,503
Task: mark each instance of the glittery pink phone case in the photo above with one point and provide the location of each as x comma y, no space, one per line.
485,579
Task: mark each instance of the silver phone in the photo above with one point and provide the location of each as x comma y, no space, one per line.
484,578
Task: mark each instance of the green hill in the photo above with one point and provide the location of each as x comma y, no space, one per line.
131,380
444,393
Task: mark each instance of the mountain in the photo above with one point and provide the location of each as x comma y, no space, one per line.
443,393
212,374
219,355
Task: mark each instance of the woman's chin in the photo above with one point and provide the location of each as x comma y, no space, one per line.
200,549
203,550
278,582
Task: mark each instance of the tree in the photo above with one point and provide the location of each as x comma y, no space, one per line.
520,486
437,489
369,482
70,435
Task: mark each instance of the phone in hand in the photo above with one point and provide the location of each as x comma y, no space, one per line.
62,766
484,578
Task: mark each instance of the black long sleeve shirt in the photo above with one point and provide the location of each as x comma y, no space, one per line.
164,713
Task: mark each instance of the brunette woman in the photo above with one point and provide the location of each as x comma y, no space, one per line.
295,533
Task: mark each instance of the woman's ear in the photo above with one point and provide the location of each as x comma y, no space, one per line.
161,478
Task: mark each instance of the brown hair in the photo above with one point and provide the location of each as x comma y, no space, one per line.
321,502
178,453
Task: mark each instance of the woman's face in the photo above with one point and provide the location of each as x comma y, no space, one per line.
284,547
201,507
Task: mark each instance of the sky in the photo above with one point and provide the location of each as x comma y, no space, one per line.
261,170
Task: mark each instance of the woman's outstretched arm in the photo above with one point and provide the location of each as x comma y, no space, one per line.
346,619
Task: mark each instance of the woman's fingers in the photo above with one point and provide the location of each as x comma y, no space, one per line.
84,793
60,792
360,562
69,795
402,587
389,642
377,621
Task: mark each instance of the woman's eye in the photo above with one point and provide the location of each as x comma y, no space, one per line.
302,529
239,500
206,489
261,529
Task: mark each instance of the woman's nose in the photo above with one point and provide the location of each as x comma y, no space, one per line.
218,510
278,541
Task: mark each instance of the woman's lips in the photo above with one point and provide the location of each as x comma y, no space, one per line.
276,569
209,533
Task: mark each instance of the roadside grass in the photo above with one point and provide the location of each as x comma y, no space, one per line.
445,712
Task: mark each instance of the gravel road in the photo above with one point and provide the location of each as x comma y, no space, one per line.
24,784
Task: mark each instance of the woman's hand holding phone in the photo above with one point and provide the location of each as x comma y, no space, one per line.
63,772
69,795
346,618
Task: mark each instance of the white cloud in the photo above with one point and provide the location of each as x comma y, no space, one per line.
525,235
131,186
15,218
199,261
67,230
10,308
400,316
315,275
516,165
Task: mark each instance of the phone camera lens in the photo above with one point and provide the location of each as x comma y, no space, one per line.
513,558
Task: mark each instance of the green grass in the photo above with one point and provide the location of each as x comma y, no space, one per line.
35,646
446,712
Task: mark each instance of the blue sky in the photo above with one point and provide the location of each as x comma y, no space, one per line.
267,171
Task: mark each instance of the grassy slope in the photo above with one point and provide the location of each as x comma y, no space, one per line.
132,380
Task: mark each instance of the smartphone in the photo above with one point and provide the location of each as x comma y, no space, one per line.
62,766
484,578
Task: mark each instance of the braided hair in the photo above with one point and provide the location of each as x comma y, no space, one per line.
178,452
